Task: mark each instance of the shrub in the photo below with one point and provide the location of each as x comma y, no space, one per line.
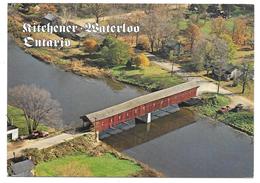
243,120
90,45
141,60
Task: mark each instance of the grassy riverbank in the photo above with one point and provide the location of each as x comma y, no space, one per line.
18,119
243,121
82,156
150,78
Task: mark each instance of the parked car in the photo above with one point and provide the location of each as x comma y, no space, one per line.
223,110
38,134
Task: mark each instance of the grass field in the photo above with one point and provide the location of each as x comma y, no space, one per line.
18,118
84,165
151,78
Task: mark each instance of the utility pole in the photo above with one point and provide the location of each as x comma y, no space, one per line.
244,77
170,57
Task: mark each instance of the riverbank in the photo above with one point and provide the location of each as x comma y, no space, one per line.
242,120
74,59
87,149
17,117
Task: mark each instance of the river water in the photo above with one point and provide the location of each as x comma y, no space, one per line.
178,145
77,95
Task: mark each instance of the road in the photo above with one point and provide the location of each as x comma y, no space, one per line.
205,85
43,143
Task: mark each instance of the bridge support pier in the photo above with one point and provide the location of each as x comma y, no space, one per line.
149,117
146,118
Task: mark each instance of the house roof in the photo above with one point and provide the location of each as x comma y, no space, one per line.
226,68
125,106
50,17
22,167
10,126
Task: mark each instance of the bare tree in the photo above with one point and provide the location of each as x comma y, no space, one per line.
219,56
158,26
37,105
98,10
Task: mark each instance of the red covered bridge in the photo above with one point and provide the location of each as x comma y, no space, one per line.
141,106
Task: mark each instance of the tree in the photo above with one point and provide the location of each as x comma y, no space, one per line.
158,26
47,8
37,105
135,20
200,55
90,45
193,33
219,56
143,43
218,26
141,60
98,10
115,51
66,12
232,48
202,12
228,8
240,31
247,72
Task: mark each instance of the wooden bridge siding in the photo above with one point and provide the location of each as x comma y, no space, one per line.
106,123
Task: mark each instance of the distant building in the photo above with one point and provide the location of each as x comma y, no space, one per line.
173,45
22,168
51,18
228,72
12,132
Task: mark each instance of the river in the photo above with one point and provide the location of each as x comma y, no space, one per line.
178,145
77,95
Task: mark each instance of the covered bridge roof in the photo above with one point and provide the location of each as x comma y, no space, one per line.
130,104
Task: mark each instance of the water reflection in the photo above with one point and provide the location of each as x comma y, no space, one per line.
143,132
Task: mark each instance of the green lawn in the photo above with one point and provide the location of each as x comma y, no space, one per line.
210,107
84,165
17,116
151,78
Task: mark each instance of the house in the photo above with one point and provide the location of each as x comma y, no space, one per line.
22,169
173,45
12,132
227,72
50,18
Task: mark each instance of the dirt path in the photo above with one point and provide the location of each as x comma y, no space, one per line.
41,143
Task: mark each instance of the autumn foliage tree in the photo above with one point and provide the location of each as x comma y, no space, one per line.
218,26
141,60
193,33
143,43
90,45
47,8
240,31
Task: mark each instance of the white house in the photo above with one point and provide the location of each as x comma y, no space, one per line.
12,132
